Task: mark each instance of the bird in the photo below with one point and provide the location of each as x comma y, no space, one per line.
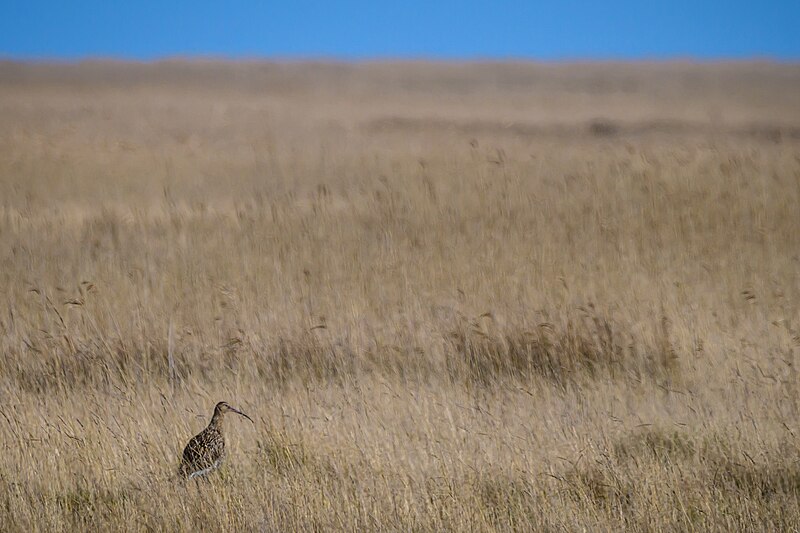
205,451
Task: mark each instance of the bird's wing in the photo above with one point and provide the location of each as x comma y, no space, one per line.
203,451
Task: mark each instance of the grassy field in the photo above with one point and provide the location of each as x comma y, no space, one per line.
451,296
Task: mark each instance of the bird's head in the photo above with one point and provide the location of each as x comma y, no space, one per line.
224,407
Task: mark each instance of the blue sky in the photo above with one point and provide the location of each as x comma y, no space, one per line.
548,30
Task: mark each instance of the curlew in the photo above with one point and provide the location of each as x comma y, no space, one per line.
206,451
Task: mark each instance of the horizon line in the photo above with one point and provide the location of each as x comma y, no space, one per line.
389,59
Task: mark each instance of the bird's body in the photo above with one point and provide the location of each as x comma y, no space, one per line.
205,451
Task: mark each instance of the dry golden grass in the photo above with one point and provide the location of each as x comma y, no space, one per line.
453,297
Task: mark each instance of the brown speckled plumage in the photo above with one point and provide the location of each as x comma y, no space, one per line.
206,451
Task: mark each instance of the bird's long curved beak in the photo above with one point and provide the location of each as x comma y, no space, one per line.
241,413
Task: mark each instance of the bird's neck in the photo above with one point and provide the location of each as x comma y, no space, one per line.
216,420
